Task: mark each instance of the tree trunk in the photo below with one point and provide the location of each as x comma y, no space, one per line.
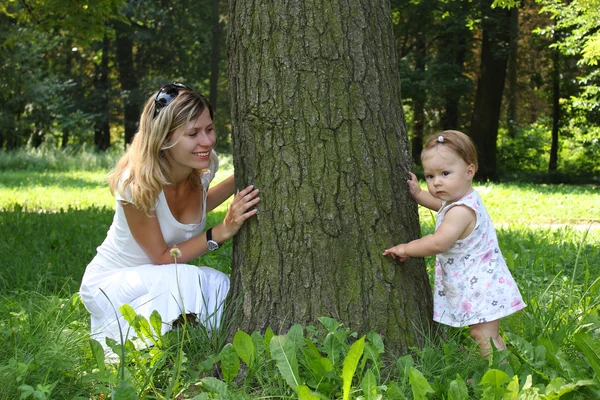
216,54
511,109
102,127
454,48
318,127
552,164
127,78
419,99
490,85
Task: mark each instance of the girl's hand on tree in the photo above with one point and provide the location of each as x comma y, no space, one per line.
397,251
238,212
413,185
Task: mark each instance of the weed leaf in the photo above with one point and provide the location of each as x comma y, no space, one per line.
143,329
376,341
350,363
404,363
259,346
268,336
318,365
304,393
296,335
369,385
128,313
156,322
125,391
230,363
244,347
419,385
394,392
512,390
214,385
590,348
283,351
330,324
458,389
493,381
98,353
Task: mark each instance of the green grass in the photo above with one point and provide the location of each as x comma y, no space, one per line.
51,221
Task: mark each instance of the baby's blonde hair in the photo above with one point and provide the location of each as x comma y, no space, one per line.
455,141
149,169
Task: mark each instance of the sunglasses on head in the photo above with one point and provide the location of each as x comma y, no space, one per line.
166,95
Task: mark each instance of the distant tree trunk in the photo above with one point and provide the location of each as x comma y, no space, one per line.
318,127
216,53
453,50
451,96
127,79
552,164
511,109
102,127
419,99
490,85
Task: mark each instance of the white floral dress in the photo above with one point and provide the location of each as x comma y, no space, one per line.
472,281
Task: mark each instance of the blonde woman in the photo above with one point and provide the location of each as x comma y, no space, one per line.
161,185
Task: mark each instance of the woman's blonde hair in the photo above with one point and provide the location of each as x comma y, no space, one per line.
455,141
147,166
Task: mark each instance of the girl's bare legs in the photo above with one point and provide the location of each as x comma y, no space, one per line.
482,334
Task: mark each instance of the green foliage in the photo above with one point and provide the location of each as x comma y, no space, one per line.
45,351
528,152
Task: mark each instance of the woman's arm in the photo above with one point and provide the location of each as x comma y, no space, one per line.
146,229
219,193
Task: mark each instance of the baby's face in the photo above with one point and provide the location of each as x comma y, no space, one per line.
448,176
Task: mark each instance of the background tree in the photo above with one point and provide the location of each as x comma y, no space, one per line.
495,44
318,127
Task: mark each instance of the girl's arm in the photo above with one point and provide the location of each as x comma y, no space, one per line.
146,229
458,224
421,196
217,194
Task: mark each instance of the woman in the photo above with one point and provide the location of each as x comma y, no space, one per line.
161,185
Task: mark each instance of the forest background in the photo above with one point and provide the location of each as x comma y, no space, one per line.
73,78
75,74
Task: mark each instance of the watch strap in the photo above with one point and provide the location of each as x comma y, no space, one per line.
210,243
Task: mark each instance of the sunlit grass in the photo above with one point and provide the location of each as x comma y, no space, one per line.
51,223
68,190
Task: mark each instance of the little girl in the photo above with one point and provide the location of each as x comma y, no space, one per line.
473,285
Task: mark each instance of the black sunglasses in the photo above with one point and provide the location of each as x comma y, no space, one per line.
166,95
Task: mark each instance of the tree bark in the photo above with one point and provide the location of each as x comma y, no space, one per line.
318,127
128,81
419,99
490,86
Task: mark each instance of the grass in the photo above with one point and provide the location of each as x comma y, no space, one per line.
51,221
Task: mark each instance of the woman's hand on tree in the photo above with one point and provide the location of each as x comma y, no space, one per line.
240,209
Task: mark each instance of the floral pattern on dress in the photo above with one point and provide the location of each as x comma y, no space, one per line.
472,281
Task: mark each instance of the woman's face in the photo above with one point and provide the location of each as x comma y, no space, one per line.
195,142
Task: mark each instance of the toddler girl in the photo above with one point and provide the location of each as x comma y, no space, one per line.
473,286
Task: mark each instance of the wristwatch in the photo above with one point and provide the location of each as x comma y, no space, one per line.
210,243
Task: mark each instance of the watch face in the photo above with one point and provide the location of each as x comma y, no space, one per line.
212,245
